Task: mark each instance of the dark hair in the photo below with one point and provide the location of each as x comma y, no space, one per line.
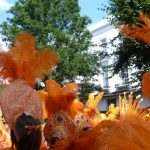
24,138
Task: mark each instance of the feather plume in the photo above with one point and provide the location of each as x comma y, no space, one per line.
81,141
93,102
76,107
128,105
60,98
142,33
25,62
129,133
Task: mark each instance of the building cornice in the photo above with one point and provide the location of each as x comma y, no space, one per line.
98,25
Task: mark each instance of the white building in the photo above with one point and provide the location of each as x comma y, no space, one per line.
102,33
3,46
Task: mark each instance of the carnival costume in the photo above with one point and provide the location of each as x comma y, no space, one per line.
70,124
21,67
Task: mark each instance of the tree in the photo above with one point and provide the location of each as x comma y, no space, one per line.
56,24
129,54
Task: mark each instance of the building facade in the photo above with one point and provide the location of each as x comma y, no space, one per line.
113,85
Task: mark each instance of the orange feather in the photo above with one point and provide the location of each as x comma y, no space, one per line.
129,133
60,98
146,85
142,33
25,62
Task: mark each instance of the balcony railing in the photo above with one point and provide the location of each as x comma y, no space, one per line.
122,87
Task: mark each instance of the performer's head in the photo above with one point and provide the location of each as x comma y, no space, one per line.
26,134
59,126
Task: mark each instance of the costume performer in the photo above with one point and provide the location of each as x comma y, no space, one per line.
22,66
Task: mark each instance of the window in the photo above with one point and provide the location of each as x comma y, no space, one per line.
111,101
103,42
105,63
105,76
105,72
124,75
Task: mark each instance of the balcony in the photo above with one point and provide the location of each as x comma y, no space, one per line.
122,87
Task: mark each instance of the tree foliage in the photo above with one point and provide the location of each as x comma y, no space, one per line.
129,54
56,24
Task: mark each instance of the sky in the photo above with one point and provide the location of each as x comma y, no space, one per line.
91,8
88,8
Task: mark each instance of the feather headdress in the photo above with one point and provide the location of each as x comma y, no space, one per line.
92,108
57,104
22,66
60,98
130,132
24,62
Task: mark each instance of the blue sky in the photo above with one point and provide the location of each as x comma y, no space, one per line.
88,8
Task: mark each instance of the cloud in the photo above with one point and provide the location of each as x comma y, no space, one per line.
4,5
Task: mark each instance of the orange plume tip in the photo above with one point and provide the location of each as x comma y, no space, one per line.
93,101
24,39
54,90
134,32
60,98
79,105
76,107
70,91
